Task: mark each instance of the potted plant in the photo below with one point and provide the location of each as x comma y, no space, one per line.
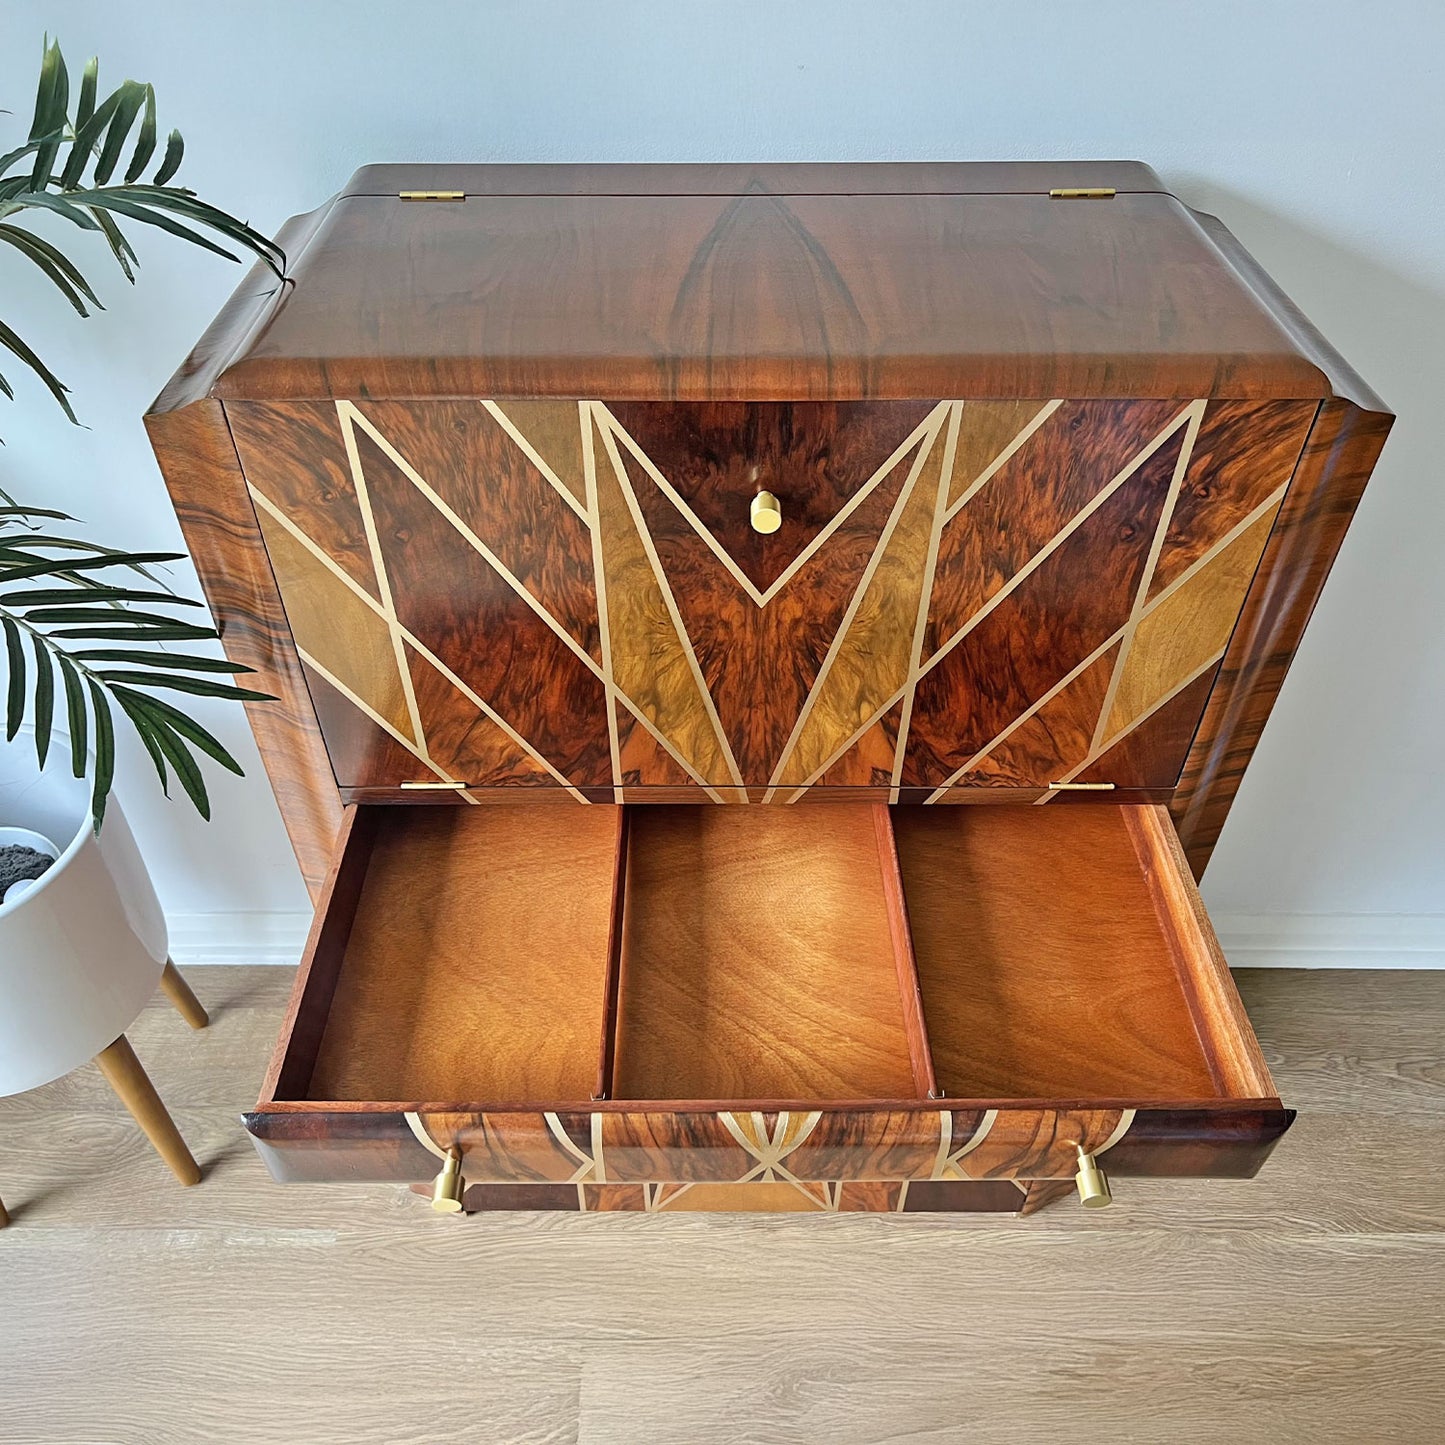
91,635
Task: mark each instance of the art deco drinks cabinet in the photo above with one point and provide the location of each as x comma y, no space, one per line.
760,657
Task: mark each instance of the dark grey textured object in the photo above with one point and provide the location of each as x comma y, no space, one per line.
18,862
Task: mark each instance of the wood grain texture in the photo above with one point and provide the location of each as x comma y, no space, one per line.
334,627
759,662
1078,450
768,294
476,962
876,645
1338,457
1044,969
1186,629
634,1143
473,550
1150,751
1244,452
910,994
837,285
814,459
713,896
203,476
1213,1000
988,430
649,654
1055,738
1068,606
496,491
197,456
745,956
293,454
456,602
127,1076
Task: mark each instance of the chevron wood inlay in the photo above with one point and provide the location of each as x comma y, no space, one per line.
934,615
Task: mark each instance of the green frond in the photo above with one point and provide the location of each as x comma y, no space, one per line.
63,595
66,167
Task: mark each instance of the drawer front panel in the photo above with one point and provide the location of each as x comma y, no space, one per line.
570,595
812,1148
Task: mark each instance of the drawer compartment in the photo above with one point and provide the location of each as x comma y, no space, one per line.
698,993
757,960
474,962
1051,964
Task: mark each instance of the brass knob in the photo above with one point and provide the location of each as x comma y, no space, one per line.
766,513
446,1193
1091,1182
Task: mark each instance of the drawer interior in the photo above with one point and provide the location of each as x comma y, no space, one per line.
757,961
546,955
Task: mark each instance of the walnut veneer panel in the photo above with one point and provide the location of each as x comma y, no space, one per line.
768,294
476,959
962,594
1044,968
757,961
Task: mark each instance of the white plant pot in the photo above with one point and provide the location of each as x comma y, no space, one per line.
81,951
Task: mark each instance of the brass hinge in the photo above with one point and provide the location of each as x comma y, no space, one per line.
432,195
452,787
1082,193
1067,787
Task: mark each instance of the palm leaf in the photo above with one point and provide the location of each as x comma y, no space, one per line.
53,384
104,753
92,142
15,667
85,106
54,263
68,596
44,697
52,99
59,590
193,662
75,715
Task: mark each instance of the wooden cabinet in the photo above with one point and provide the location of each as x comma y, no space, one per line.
1056,479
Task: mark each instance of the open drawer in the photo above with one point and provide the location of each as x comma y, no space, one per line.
841,1006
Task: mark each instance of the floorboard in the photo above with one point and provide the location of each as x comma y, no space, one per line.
1303,1306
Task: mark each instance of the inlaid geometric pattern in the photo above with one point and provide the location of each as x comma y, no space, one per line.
734,1160
964,595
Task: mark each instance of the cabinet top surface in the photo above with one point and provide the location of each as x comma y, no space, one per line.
762,282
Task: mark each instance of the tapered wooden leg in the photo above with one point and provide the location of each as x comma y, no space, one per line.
4,1218
125,1075
179,992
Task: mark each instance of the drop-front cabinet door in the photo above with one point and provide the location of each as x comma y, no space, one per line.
570,594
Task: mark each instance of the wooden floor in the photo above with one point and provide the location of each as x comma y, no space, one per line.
1308,1305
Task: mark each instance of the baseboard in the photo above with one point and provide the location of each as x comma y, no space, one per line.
1250,940
1332,940
256,937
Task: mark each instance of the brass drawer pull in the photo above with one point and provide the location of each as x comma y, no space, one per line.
1091,1182
450,1185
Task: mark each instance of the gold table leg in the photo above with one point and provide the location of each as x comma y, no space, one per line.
125,1075
179,992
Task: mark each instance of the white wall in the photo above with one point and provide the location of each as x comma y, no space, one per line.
1314,128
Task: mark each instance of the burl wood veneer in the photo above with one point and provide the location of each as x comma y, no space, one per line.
1061,474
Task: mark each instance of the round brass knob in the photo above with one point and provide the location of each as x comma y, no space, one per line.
447,1191
765,513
